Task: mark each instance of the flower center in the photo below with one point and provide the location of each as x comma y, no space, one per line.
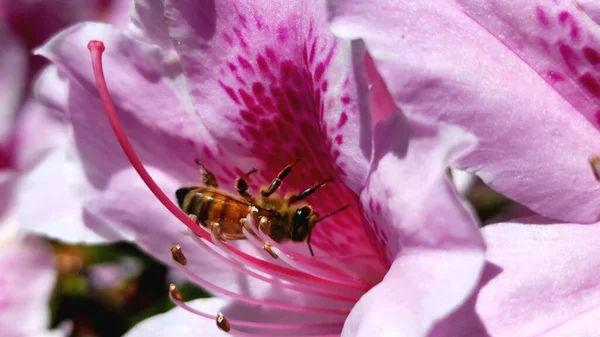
327,279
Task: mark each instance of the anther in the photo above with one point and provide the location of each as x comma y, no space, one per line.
223,322
267,247
595,163
178,255
175,293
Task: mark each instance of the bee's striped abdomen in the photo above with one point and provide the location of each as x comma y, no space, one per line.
210,206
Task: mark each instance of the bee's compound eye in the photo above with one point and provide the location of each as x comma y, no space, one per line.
303,212
300,225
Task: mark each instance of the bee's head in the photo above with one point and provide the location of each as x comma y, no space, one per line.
302,223
180,194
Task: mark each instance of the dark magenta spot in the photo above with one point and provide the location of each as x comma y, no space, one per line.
230,92
282,34
271,54
318,96
231,66
240,80
345,100
324,86
286,115
541,16
247,116
339,139
248,100
258,89
574,31
597,117
378,210
554,76
293,99
287,69
207,152
257,110
243,20
563,16
591,55
343,119
305,54
239,35
319,71
313,51
262,64
569,56
267,128
590,84
228,39
244,63
259,23
190,142
266,102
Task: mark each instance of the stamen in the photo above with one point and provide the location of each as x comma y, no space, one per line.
249,324
595,163
96,49
208,286
284,282
177,254
223,323
174,292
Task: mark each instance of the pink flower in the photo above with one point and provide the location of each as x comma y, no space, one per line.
522,77
33,141
240,87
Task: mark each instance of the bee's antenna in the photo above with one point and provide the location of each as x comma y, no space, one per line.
308,242
332,213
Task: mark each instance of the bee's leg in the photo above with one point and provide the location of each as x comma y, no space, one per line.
241,185
208,179
193,217
277,181
266,246
215,228
308,191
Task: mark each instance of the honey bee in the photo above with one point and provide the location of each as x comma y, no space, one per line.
281,218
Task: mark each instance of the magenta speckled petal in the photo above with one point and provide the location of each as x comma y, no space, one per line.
473,66
271,82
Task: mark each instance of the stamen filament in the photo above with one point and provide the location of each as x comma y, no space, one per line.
324,292
250,324
211,287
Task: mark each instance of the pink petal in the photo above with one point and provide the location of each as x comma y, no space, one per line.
27,278
14,73
148,23
178,322
272,83
433,240
440,63
547,282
